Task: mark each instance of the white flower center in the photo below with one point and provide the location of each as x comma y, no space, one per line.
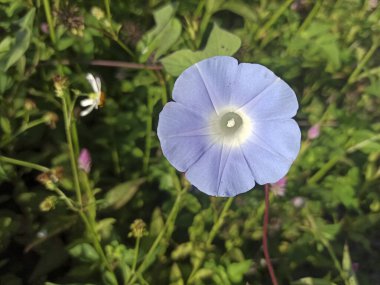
230,123
232,127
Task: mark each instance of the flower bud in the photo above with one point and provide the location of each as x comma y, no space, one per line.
138,229
298,202
48,204
84,160
60,85
51,119
313,132
279,187
97,13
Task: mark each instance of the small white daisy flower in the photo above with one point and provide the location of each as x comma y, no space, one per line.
96,98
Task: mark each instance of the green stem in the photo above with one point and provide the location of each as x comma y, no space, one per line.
122,45
219,222
211,236
68,201
148,136
363,62
335,260
73,161
49,20
136,255
322,172
311,16
171,219
273,19
23,129
24,163
88,216
94,236
108,10
205,21
327,245
164,93
90,203
176,181
363,143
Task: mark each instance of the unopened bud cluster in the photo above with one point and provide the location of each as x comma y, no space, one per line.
50,178
138,229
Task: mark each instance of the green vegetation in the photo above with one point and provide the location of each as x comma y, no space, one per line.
132,219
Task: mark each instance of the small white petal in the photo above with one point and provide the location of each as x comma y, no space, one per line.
99,84
87,102
91,79
87,111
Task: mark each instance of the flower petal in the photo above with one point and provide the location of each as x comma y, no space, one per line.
206,85
93,81
184,135
251,80
271,149
276,102
87,111
87,102
221,171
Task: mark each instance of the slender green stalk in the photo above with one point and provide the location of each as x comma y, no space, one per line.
23,129
171,219
73,161
363,143
148,133
164,93
335,260
123,46
94,236
23,163
136,255
219,222
328,246
363,62
67,200
176,181
49,19
90,203
322,172
211,236
261,32
311,16
108,10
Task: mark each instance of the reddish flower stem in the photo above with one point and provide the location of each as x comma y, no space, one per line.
265,237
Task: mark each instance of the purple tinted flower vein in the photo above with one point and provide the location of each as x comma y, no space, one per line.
230,125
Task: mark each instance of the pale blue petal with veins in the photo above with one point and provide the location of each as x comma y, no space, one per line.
230,126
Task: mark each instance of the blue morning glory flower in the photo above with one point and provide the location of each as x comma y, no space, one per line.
230,126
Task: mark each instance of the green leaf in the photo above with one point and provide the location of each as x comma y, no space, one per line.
84,252
5,125
347,266
191,203
240,8
312,281
109,278
176,275
237,270
19,44
121,194
220,42
163,35
157,222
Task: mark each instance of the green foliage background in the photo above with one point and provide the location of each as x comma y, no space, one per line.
328,51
